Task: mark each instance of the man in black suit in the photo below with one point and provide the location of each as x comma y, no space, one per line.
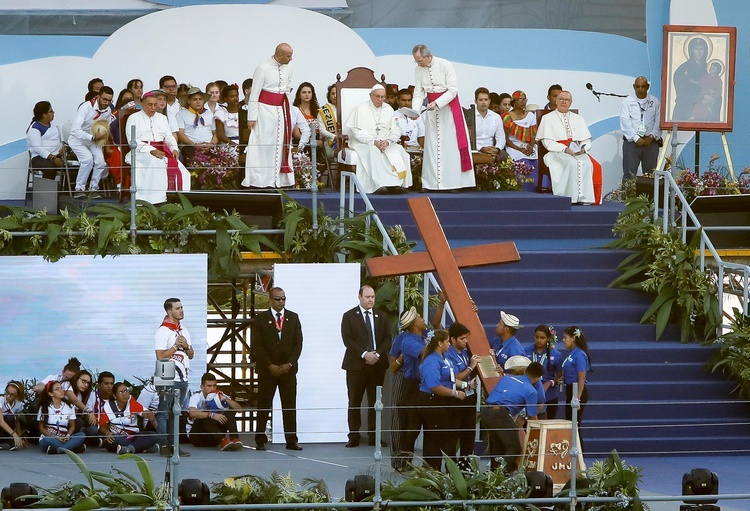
368,341
277,345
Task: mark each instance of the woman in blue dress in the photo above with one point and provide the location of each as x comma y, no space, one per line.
437,395
575,368
544,352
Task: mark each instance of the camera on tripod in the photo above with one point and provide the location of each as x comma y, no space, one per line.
164,374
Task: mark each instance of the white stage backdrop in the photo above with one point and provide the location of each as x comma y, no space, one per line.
320,294
102,310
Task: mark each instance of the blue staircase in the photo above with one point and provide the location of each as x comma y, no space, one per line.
645,397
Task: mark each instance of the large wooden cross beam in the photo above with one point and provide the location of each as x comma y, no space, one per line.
446,263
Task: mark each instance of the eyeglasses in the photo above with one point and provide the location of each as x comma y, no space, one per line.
122,391
87,382
56,388
11,394
564,100
279,298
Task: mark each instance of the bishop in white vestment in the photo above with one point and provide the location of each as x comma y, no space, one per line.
374,134
155,154
567,138
269,149
447,163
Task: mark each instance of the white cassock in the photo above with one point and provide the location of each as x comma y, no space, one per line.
150,171
441,165
265,147
571,176
376,168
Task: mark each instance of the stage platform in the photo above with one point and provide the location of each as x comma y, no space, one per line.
335,464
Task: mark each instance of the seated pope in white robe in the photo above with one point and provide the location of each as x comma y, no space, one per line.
383,165
155,156
567,138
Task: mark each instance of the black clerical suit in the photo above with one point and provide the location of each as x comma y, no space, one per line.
361,377
272,345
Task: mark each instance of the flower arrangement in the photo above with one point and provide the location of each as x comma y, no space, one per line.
302,165
505,175
215,168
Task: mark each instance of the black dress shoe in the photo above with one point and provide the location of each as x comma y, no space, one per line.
293,447
352,443
260,447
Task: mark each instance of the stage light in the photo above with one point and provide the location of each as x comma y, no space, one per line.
193,491
700,481
359,488
540,485
10,496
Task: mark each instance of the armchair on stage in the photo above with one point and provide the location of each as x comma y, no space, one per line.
350,92
470,114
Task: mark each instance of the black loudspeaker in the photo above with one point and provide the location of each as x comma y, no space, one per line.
256,208
10,496
193,492
700,481
359,488
540,484
723,210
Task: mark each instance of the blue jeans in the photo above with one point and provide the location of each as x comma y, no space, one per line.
76,440
164,424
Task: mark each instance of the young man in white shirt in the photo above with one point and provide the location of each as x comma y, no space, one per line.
211,417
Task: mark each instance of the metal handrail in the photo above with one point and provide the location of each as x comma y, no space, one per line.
672,194
349,189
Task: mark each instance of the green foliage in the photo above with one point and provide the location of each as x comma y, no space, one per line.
104,230
118,489
661,264
425,484
612,478
277,489
733,356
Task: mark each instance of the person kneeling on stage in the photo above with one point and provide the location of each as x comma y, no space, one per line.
211,422
509,400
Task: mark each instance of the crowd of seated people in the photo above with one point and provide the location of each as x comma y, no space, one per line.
76,410
202,119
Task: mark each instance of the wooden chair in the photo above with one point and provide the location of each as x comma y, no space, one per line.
352,91
541,151
470,114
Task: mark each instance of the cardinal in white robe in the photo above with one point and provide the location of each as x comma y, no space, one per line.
269,149
573,172
447,163
155,156
383,166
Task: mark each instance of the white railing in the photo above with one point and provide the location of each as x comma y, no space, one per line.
738,275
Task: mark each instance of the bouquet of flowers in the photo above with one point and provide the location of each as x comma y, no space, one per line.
215,168
302,165
506,175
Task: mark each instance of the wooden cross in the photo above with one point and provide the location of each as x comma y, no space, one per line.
446,263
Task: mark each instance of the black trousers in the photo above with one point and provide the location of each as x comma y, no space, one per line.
409,425
439,420
49,170
466,416
502,435
209,433
267,385
359,383
569,409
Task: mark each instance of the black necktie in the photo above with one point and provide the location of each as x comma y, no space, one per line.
371,345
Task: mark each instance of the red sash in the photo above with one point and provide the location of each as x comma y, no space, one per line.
280,99
597,174
174,176
460,121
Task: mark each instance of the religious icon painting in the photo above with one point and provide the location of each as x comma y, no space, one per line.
698,77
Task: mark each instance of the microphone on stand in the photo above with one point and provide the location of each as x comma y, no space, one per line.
591,88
